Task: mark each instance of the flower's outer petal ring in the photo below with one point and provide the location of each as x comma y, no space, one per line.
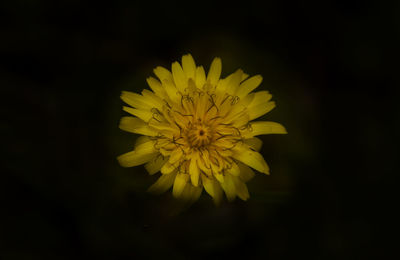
155,164
136,126
253,159
162,184
215,71
264,128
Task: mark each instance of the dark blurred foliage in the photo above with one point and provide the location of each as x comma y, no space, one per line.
333,71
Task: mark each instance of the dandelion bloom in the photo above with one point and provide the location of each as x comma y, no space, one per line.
198,130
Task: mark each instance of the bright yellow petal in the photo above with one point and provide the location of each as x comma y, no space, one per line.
179,76
152,99
222,86
142,154
260,97
194,172
172,91
167,168
234,170
156,86
255,143
189,66
155,164
249,85
259,104
141,140
215,71
251,158
179,184
175,156
234,82
136,126
162,184
204,165
200,77
219,176
260,109
135,100
145,115
244,76
162,73
264,128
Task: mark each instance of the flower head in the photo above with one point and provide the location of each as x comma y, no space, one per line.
198,130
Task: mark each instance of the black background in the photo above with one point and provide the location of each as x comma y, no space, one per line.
331,66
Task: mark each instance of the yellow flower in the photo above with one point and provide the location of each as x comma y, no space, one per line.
198,130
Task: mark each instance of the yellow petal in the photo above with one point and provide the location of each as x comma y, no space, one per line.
259,104
194,172
145,115
255,143
260,109
195,193
142,154
141,140
215,71
241,189
212,187
244,76
152,99
229,187
172,91
260,97
180,78
247,100
251,158
134,100
246,173
156,86
234,170
264,128
155,164
136,126
179,184
219,176
189,66
249,85
162,184
234,82
222,86
167,168
186,194
190,193
162,73
204,164
175,156
200,77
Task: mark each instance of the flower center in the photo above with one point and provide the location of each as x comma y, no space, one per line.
199,135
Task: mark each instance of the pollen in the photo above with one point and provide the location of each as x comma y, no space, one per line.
198,130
